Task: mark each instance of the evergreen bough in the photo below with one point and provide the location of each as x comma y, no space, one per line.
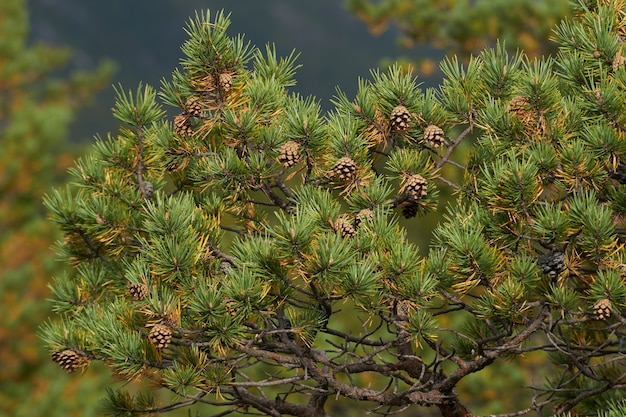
204,262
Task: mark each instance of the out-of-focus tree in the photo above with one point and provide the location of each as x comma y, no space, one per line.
465,27
36,111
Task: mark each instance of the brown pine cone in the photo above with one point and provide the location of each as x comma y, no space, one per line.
289,153
365,215
193,106
226,81
409,210
434,136
160,336
415,187
344,226
344,169
182,125
602,309
138,291
69,359
400,118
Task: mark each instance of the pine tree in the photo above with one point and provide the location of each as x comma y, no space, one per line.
255,255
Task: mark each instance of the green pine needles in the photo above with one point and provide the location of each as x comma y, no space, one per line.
255,256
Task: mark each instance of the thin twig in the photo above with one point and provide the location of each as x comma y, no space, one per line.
453,146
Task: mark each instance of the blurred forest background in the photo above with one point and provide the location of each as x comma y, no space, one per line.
58,60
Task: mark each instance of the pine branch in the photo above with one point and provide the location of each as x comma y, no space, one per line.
445,158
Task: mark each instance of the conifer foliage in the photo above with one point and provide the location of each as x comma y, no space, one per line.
251,253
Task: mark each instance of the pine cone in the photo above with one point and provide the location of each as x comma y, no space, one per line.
69,360
344,169
226,81
415,188
400,118
596,53
602,309
193,107
552,263
365,215
225,266
520,107
619,61
138,291
344,226
160,336
434,136
402,310
409,210
182,125
289,153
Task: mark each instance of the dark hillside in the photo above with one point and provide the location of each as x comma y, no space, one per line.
143,37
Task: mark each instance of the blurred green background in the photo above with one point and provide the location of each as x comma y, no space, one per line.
58,60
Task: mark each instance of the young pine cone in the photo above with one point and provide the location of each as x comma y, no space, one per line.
344,169
400,118
289,153
160,336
